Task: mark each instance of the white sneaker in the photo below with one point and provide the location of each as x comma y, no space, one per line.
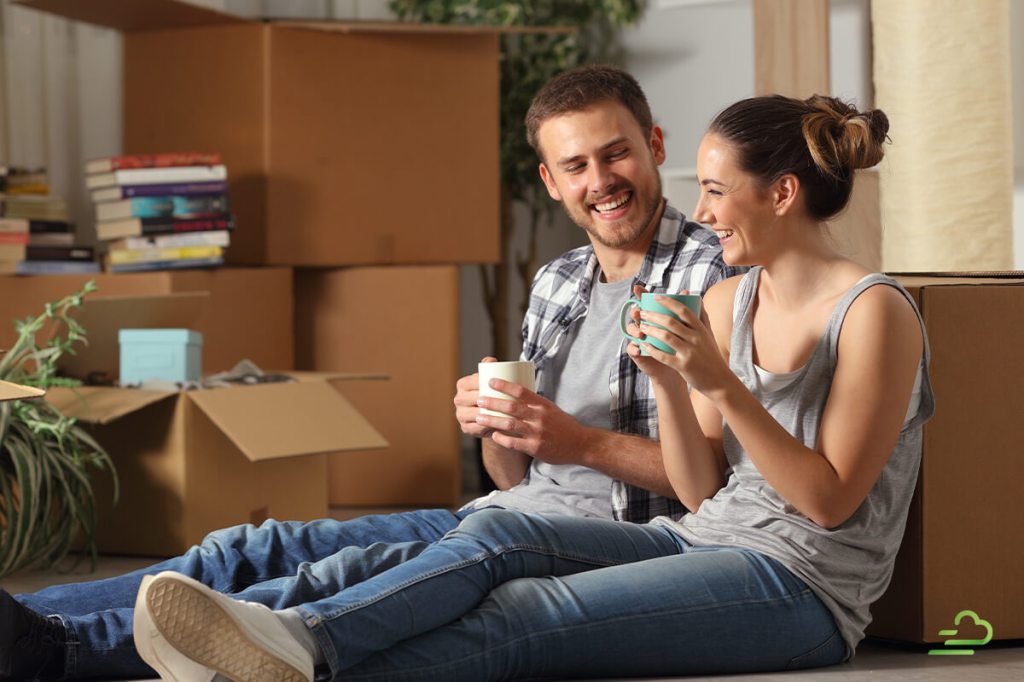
213,633
153,648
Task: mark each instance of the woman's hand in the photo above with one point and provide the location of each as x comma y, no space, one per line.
659,373
698,359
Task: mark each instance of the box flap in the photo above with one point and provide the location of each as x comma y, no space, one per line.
134,15
9,391
268,421
336,376
100,404
103,316
922,279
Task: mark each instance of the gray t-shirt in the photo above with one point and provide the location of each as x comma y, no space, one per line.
582,390
849,566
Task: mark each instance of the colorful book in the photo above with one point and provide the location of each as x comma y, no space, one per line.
52,238
15,225
161,190
12,251
40,252
121,256
137,227
13,237
35,207
157,207
179,264
156,176
112,163
180,240
57,267
49,226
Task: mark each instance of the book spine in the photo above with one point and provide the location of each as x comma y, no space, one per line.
13,237
77,253
42,226
162,160
57,267
121,256
167,264
179,240
167,189
162,226
14,225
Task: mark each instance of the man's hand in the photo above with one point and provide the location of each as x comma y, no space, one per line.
535,425
467,392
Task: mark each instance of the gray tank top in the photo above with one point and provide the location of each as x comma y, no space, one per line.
848,567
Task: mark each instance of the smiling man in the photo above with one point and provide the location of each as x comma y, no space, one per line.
587,447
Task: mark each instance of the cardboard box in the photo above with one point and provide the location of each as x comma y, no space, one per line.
402,322
247,314
191,462
962,546
345,144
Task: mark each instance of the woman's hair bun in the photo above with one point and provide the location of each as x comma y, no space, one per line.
841,138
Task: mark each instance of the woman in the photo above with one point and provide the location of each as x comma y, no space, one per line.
790,422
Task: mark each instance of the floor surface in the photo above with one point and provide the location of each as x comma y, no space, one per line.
997,662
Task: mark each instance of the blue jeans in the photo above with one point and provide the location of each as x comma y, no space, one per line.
98,614
508,595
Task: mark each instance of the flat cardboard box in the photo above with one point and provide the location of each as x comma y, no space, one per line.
12,391
402,322
247,313
962,546
345,143
190,462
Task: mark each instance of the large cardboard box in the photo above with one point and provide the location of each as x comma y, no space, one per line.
345,143
402,322
962,547
190,462
247,314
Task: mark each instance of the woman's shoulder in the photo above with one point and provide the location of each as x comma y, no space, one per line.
883,312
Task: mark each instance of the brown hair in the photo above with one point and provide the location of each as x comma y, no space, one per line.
581,88
822,140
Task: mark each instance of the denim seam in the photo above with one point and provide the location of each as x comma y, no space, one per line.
549,632
475,559
795,661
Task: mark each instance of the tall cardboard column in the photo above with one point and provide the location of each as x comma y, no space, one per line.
792,57
942,74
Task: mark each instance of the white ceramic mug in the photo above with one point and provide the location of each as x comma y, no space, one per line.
516,371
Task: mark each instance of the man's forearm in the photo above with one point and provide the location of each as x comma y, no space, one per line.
633,459
505,467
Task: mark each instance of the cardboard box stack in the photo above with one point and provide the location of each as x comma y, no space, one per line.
161,211
36,233
961,549
365,156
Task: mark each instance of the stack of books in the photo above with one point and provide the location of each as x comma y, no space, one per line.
161,211
36,233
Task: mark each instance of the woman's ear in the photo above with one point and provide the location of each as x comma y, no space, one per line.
784,194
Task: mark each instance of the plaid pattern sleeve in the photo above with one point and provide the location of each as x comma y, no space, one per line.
683,255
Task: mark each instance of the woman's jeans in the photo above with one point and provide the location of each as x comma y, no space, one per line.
99,613
510,595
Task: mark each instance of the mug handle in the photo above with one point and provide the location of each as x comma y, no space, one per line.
622,319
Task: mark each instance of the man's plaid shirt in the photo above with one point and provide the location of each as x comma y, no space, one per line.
683,255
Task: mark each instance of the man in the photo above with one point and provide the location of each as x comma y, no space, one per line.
582,445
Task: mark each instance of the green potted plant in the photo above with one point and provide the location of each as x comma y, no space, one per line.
569,33
46,498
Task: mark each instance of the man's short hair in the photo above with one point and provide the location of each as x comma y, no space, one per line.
581,88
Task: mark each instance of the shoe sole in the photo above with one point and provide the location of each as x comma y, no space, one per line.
177,610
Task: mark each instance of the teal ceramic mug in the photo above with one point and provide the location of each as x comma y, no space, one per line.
647,302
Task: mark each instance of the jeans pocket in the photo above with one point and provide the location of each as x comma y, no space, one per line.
829,652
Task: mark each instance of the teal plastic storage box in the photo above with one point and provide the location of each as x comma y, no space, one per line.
165,354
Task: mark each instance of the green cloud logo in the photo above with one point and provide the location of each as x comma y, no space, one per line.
978,622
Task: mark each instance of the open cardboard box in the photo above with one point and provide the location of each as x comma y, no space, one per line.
11,391
962,546
190,462
318,123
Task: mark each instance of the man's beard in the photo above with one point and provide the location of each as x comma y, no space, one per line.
619,239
